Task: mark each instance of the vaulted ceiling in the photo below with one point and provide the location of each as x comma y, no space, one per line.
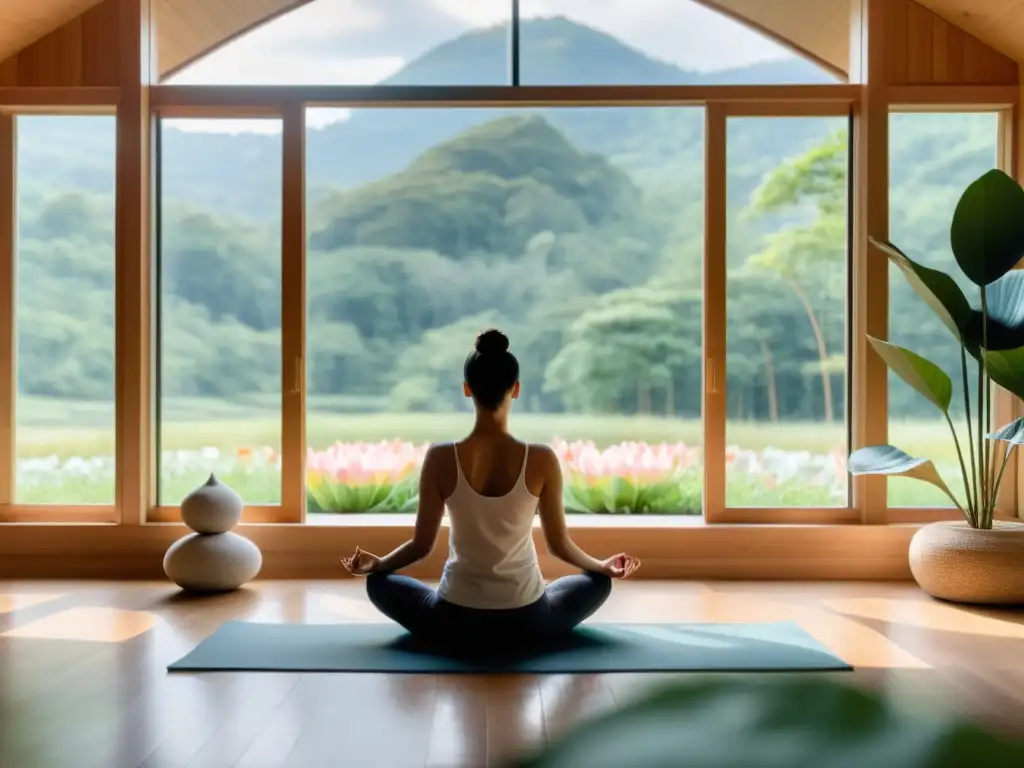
186,29
999,23
819,28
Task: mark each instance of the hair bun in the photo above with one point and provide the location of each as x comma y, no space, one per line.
491,341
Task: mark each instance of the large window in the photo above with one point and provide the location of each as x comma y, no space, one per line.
64,310
576,231
219,288
786,298
934,157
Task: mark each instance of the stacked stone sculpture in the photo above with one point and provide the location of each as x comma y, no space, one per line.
212,559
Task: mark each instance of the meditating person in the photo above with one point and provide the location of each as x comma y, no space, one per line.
491,589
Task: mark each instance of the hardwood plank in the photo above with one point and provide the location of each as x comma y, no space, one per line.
515,717
458,734
83,677
336,728
568,700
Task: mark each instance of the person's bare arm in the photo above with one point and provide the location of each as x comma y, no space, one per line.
428,519
552,518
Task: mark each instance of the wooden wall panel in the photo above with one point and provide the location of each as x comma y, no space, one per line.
82,52
999,23
926,49
22,22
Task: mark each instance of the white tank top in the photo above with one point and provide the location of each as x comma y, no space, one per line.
492,563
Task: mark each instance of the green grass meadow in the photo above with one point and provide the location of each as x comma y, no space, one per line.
65,429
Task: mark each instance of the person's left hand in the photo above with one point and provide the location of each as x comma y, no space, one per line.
620,566
361,563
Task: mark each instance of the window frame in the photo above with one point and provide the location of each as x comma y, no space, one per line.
293,318
716,507
1004,102
719,102
16,103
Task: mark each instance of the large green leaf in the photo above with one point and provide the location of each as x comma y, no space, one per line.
781,723
923,375
1006,368
1012,433
939,291
1005,299
890,460
987,233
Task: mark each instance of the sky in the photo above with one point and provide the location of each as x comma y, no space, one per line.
361,42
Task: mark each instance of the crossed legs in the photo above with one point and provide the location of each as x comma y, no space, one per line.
565,604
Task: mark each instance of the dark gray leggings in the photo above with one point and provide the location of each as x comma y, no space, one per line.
566,602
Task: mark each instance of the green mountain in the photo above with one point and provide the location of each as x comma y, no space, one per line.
488,191
560,51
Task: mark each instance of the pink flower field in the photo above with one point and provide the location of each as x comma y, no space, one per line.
380,477
628,478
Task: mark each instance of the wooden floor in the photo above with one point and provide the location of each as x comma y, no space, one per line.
83,679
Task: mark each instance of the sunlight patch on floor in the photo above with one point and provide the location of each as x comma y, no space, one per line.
102,625
351,609
11,602
856,644
929,615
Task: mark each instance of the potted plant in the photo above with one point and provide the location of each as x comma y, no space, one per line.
977,559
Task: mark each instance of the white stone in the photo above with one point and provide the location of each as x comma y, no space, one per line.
212,563
212,508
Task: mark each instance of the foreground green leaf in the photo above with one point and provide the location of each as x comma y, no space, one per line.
893,462
987,233
1012,433
923,375
939,291
1006,368
1005,300
792,723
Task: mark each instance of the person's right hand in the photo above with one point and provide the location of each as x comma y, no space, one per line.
361,563
620,566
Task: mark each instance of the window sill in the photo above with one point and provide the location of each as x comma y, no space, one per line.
575,521
273,516
672,548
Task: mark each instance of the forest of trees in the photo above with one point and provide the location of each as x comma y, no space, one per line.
578,231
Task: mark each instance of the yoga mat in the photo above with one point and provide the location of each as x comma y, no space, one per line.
766,647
